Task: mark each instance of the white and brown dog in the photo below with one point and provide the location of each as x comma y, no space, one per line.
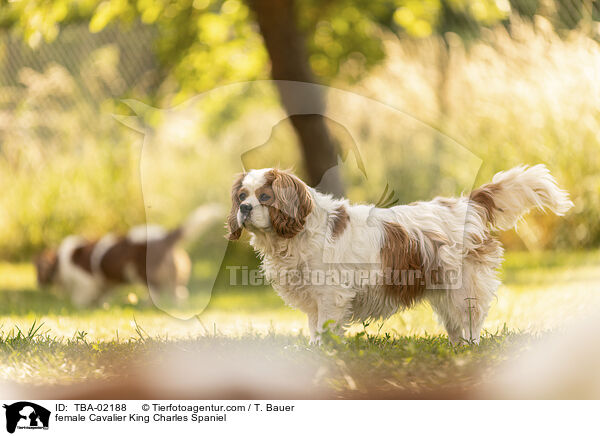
147,254
441,251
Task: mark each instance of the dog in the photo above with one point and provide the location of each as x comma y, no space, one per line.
379,261
86,269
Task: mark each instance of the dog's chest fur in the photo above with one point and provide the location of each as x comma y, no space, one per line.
317,260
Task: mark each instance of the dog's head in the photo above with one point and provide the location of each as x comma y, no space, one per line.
269,200
46,265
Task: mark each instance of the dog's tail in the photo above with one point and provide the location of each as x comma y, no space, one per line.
514,192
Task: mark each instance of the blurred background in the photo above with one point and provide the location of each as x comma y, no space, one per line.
118,112
510,81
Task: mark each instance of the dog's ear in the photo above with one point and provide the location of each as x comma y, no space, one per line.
291,205
234,229
46,265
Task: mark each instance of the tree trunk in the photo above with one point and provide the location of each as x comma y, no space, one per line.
289,61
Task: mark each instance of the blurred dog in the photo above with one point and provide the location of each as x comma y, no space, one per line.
378,261
147,254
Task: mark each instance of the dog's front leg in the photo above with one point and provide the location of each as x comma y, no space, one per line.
317,320
335,309
313,327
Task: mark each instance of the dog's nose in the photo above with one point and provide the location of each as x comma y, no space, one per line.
246,209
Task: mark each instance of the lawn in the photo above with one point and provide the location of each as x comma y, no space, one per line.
46,341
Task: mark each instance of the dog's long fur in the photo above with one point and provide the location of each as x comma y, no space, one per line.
441,251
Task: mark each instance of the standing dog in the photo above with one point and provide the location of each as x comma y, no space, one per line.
147,254
441,251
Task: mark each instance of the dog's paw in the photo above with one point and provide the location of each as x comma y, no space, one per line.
315,341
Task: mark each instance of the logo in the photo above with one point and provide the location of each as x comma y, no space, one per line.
26,415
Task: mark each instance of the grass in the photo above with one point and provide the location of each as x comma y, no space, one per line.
44,340
362,364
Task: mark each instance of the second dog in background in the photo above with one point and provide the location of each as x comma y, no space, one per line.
86,269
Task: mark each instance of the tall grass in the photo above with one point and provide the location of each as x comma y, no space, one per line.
524,97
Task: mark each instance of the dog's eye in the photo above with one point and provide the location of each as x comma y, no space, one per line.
243,196
264,198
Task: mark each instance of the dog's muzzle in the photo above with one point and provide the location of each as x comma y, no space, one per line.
245,210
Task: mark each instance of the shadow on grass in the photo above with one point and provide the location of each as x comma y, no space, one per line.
37,302
32,301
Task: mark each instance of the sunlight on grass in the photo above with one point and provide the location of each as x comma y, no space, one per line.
16,276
